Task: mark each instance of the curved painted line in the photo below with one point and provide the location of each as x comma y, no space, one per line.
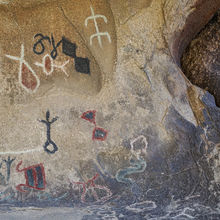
137,166
22,152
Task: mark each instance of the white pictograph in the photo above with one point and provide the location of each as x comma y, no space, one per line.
142,150
48,65
98,34
38,149
27,78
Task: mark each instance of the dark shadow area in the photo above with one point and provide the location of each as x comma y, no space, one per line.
201,59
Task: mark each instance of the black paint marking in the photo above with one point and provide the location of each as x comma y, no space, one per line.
82,65
54,51
8,165
49,141
40,42
69,48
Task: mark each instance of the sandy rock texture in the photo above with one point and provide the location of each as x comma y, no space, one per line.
95,109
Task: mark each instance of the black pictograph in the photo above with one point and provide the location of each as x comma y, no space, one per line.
48,123
82,65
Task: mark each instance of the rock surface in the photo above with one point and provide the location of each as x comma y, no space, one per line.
201,61
96,112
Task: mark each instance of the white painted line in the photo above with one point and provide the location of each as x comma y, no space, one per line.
22,151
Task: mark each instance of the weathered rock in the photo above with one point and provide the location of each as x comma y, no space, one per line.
201,61
119,125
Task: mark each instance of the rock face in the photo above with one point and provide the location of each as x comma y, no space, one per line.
95,109
201,61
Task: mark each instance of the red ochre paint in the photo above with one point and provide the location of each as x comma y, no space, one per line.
28,79
34,175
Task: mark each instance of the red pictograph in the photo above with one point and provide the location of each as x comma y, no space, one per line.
89,116
34,175
91,186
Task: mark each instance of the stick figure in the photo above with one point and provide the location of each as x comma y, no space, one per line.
90,185
98,34
8,164
49,141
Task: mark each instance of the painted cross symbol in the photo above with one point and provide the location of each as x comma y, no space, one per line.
98,34
27,78
90,185
49,141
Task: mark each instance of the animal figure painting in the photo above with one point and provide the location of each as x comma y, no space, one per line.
34,175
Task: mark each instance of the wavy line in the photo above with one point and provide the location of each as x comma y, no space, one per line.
137,166
22,152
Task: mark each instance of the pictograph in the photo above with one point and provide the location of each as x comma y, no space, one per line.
27,78
98,133
98,34
34,175
49,142
91,186
48,65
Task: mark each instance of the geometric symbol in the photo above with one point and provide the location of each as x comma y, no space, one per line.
26,75
48,65
82,65
89,116
98,33
49,142
99,134
34,175
68,48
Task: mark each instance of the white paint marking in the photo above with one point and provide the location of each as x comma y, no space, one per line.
98,33
43,65
62,67
22,61
22,152
142,150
